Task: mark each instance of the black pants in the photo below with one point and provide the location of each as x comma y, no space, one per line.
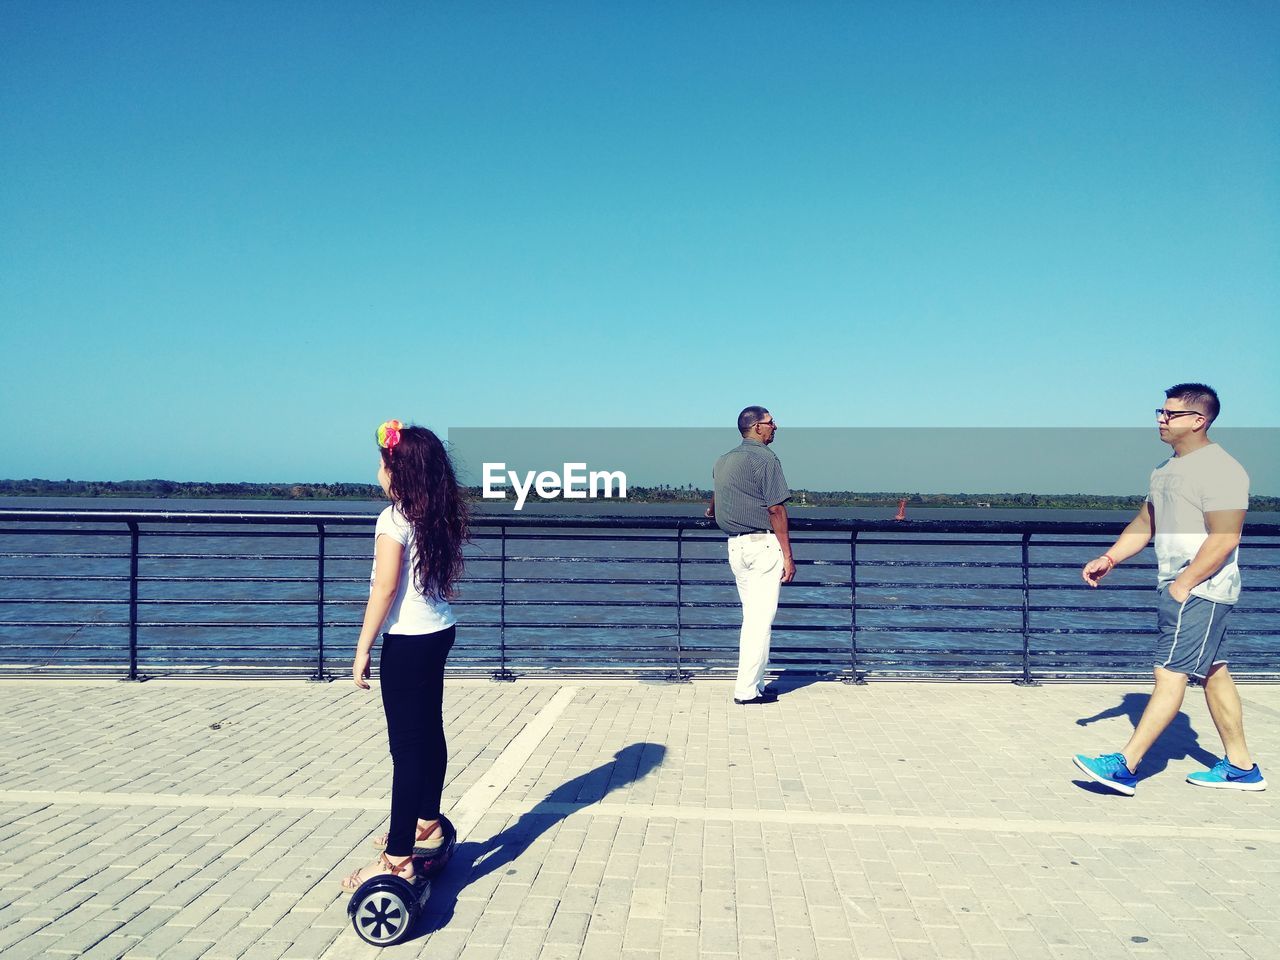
411,677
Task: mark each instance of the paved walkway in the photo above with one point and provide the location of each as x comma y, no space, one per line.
604,820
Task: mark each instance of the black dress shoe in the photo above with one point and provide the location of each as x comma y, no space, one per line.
762,698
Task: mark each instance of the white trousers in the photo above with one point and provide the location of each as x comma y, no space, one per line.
756,562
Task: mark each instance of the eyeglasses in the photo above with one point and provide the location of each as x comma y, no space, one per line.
1162,413
767,423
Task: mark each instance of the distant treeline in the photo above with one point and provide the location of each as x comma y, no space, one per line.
658,494
194,491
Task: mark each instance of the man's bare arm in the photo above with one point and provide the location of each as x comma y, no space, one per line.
1132,540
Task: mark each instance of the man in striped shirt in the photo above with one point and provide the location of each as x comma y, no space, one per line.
748,505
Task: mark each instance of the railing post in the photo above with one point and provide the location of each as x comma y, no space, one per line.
133,603
679,675
320,676
855,676
1026,680
502,673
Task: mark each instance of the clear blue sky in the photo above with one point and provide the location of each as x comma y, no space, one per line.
236,236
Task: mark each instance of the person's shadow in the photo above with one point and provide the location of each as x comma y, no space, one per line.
1178,742
475,859
791,679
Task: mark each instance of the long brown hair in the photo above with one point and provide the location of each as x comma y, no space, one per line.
425,490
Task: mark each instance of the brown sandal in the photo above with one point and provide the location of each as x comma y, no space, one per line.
352,883
420,837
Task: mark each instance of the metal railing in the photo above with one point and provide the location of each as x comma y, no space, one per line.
138,594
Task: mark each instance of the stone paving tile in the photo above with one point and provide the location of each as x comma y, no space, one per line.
129,738
651,821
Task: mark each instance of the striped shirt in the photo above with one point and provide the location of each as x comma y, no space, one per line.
748,481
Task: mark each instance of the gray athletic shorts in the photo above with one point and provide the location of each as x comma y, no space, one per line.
1190,635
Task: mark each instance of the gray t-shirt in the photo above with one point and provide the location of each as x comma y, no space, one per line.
748,481
1183,490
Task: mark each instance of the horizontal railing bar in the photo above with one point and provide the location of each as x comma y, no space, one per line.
929,585
517,558
550,625
199,579
166,556
1250,539
713,561
591,538
165,533
515,523
63,532
618,581
725,655
867,606
201,624
870,606
842,584
117,601
1252,632
719,561
1045,565
837,584
64,556
41,578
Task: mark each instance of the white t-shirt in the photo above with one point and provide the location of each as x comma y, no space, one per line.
410,612
1183,490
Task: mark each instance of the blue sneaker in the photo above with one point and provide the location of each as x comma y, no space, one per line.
1110,770
1228,776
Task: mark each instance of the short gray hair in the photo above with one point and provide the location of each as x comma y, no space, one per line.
749,417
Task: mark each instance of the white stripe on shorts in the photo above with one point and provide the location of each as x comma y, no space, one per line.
1212,611
1176,629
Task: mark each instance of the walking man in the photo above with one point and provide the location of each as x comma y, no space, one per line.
748,505
1195,510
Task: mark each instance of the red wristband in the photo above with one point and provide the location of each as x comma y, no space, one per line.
1107,556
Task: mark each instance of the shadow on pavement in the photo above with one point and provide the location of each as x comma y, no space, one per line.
475,859
790,680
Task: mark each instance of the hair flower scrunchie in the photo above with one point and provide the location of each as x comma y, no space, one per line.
389,435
